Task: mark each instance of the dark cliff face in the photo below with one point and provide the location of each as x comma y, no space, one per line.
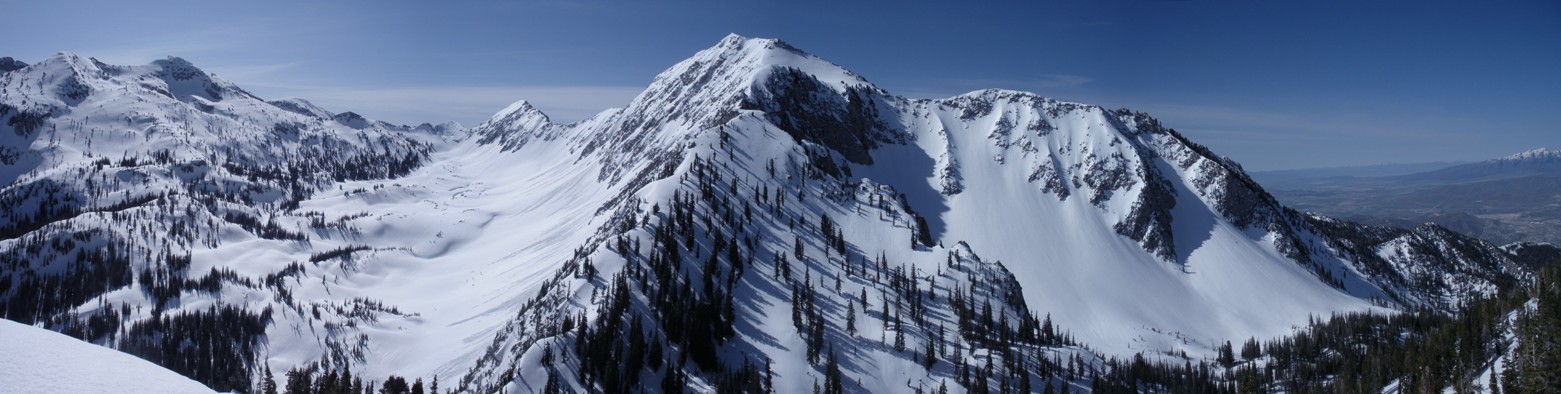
811,111
7,64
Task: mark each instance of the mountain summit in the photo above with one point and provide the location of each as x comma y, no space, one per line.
756,211
1534,154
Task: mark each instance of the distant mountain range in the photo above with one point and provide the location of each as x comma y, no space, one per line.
1279,177
1509,199
1538,162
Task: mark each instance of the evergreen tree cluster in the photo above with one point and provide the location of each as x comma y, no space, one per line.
216,346
1359,352
692,317
332,381
1534,365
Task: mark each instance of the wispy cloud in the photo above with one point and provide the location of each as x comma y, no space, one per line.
250,71
1061,80
139,49
466,104
141,54
1043,81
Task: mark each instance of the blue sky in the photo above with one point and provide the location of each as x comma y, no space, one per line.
1273,84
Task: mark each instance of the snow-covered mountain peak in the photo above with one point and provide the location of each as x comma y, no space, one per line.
179,68
66,57
69,78
1533,154
693,98
695,95
66,76
717,78
1000,93
352,119
755,57
1541,162
445,128
302,107
184,80
514,126
522,111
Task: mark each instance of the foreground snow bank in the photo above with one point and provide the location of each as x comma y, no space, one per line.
35,360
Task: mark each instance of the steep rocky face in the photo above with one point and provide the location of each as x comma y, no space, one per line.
847,122
7,64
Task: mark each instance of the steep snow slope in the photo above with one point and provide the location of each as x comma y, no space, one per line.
35,360
1048,187
461,243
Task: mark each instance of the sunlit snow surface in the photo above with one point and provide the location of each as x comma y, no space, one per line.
35,360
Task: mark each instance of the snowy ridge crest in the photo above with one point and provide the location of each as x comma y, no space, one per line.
1533,154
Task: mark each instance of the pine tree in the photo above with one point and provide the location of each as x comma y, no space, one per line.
327,383
669,381
797,249
344,385
552,386
899,333
298,382
1024,382
1250,350
267,382
833,378
769,376
929,357
850,317
395,385
1227,357
1048,335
